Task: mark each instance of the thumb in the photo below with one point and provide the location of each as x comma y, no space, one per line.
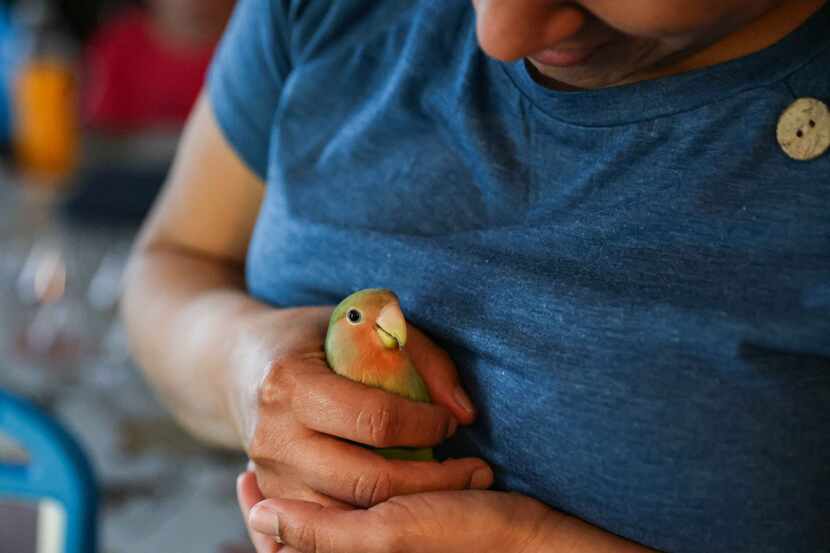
309,527
440,376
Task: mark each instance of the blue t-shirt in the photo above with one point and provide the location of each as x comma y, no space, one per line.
634,282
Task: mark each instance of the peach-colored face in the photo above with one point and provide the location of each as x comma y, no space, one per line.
597,43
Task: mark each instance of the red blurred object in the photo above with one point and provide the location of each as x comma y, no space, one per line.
139,79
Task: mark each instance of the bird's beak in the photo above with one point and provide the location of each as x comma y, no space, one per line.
391,326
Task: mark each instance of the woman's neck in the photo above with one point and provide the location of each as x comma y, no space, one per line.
753,37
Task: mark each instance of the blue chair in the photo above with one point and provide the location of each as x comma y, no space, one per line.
57,470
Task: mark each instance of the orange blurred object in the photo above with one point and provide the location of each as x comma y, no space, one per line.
46,134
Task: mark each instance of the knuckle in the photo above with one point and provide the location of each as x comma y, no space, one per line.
272,478
288,450
276,453
306,538
371,488
378,424
277,383
312,538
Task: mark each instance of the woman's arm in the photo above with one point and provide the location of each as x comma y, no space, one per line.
188,262
244,374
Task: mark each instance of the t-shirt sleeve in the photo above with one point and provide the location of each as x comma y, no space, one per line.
246,78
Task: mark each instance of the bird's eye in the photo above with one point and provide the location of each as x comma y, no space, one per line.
354,316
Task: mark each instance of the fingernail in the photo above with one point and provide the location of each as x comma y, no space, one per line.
251,466
453,426
481,479
463,400
264,519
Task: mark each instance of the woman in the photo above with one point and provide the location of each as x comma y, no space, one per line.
586,204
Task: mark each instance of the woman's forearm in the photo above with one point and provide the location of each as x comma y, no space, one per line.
185,303
182,313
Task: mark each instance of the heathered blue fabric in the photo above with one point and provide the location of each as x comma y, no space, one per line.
634,282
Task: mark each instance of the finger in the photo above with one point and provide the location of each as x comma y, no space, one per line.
247,492
440,375
275,480
310,528
332,404
363,478
248,495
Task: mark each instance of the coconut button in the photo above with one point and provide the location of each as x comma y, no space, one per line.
804,129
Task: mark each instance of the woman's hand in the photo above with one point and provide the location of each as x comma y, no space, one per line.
299,420
434,522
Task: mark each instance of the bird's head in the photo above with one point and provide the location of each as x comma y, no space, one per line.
370,318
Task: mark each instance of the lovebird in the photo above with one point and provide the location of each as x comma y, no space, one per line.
365,342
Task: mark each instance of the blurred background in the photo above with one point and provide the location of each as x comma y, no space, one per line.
93,96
